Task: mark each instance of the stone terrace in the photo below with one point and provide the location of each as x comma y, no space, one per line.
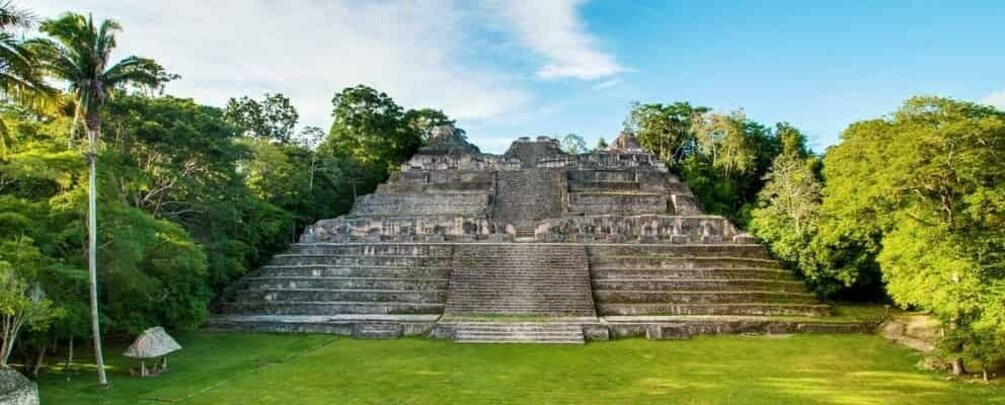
531,246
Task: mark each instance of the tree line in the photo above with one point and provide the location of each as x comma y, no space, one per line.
908,208
187,197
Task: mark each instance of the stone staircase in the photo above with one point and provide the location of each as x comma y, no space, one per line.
520,279
720,279
357,278
519,332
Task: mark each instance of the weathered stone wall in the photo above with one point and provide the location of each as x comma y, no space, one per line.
524,197
617,160
530,153
647,228
405,229
434,181
621,203
460,162
460,204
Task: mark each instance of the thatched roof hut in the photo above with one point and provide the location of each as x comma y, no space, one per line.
152,343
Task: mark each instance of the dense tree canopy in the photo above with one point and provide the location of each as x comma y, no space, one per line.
917,200
722,157
274,118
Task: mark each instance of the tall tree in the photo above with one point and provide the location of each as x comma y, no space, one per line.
79,53
374,130
273,118
923,192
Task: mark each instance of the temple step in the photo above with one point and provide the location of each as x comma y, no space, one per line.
538,279
504,332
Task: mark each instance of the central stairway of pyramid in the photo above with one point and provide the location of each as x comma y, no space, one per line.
520,279
534,245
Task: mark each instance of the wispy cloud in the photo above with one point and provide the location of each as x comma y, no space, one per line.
606,84
554,30
308,49
996,99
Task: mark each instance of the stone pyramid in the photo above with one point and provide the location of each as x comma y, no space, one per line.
524,246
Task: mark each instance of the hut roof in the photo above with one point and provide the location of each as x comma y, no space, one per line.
153,342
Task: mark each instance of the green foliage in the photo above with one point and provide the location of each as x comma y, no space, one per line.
722,157
371,136
788,211
78,53
423,120
273,118
187,205
152,272
372,129
666,130
917,198
22,302
601,144
573,144
21,73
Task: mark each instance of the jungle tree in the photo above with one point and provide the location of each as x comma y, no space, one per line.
79,54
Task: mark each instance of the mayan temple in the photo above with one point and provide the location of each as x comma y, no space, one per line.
535,245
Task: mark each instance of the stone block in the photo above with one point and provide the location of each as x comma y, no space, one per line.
466,238
372,238
832,328
376,331
680,239
500,237
745,238
648,239
596,332
553,237
436,238
780,328
616,238
711,239
667,332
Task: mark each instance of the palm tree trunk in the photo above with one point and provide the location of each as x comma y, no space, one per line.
92,250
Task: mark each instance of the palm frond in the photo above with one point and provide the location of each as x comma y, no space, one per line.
79,52
21,76
104,42
136,70
14,17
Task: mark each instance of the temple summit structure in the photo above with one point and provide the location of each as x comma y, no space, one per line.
535,245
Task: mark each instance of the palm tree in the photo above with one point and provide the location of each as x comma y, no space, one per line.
78,54
21,78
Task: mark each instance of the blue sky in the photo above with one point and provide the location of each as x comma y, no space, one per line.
514,68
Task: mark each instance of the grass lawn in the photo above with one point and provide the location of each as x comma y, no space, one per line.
218,368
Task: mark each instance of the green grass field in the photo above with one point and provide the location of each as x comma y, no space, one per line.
216,368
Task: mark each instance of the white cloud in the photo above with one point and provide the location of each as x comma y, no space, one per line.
308,50
996,99
606,84
552,29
